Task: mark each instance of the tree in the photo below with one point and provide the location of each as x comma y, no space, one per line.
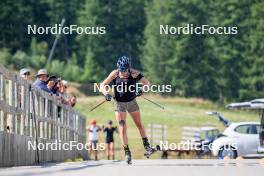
67,9
231,50
124,22
15,16
253,81
185,61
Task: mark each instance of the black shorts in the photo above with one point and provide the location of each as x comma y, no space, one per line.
108,141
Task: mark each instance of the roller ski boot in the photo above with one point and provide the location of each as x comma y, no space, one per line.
148,148
149,151
128,157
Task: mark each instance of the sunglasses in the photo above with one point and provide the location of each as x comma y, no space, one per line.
27,73
124,71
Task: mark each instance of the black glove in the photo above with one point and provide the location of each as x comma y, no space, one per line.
108,97
139,92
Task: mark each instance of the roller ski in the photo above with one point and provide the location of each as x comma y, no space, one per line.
150,150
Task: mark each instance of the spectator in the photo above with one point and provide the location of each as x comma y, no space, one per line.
40,83
62,94
61,89
109,130
93,137
73,101
52,83
65,86
25,73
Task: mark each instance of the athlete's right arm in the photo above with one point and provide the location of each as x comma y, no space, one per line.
104,85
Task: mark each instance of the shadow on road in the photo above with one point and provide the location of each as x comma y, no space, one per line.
53,168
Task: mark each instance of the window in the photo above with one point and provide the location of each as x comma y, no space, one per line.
248,129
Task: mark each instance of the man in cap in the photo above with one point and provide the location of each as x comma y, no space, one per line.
40,83
24,73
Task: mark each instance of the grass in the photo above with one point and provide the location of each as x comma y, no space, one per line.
178,112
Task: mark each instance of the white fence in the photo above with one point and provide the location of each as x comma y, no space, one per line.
157,133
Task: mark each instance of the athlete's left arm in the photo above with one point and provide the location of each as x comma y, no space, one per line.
144,81
136,74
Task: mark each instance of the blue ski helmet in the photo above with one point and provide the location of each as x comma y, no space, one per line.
123,63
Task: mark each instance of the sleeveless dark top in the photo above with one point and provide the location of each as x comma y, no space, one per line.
110,134
125,95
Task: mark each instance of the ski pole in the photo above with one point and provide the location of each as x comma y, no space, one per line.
99,104
153,102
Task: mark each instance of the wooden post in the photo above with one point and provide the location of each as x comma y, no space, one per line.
23,102
11,119
3,99
151,134
18,117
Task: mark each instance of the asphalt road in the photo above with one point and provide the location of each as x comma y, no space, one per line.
142,168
